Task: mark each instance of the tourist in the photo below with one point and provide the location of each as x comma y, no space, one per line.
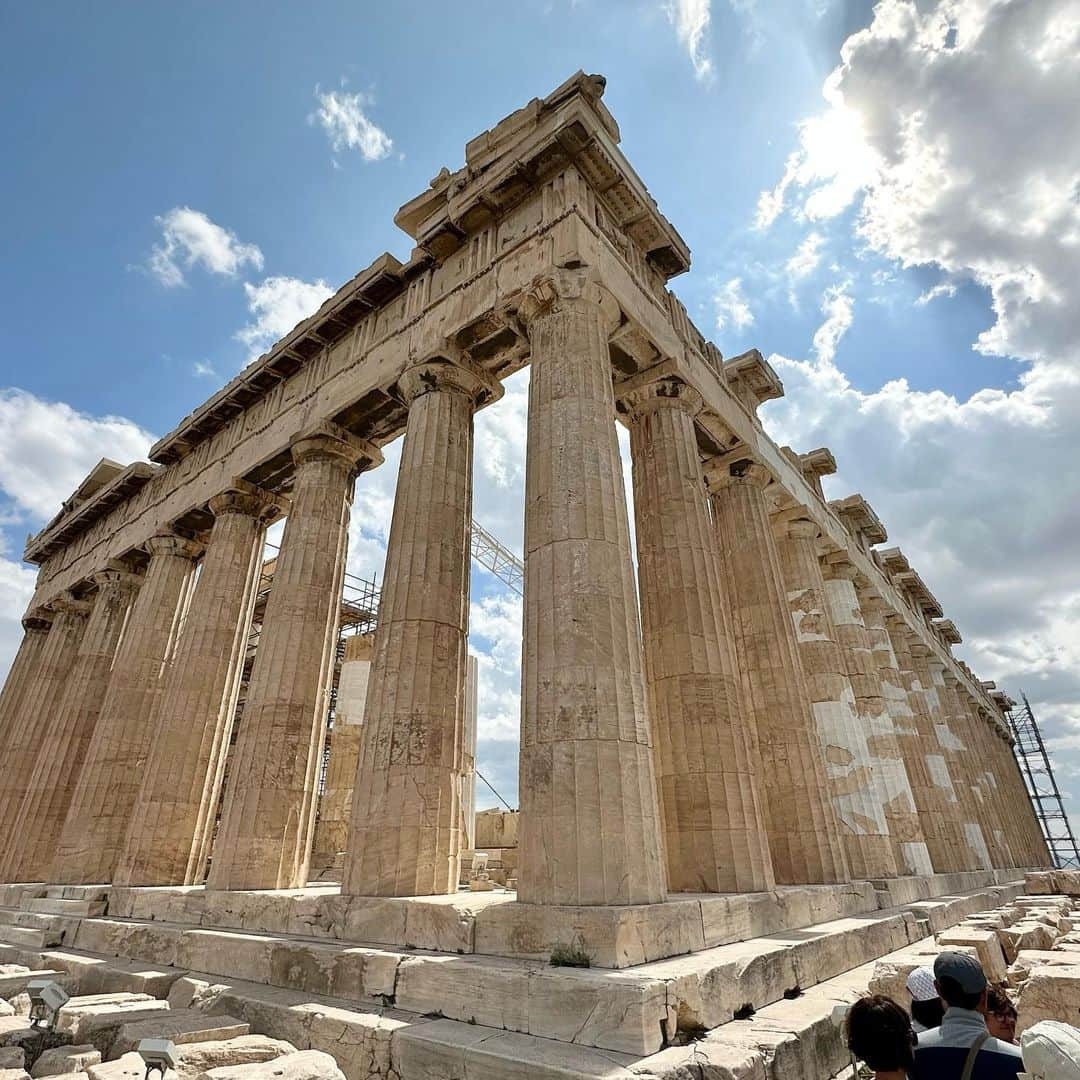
1051,1051
1000,1014
963,1039
879,1033
927,1008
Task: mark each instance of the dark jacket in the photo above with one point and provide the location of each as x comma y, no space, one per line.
941,1052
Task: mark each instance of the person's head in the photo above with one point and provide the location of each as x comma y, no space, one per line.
1000,1014
879,1033
960,981
926,1006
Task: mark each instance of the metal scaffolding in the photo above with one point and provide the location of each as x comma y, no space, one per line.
501,561
1045,795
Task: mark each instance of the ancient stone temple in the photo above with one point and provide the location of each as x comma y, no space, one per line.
762,730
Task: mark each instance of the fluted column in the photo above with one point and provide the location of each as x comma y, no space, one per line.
23,668
804,838
335,805
927,769
1025,834
264,840
67,732
844,738
173,819
955,737
708,773
92,838
39,702
906,820
884,760
405,835
996,817
939,747
590,825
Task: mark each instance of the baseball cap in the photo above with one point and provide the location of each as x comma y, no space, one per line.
920,984
964,970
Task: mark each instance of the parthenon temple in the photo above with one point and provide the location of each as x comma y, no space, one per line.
759,727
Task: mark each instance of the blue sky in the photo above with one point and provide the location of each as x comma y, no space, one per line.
884,204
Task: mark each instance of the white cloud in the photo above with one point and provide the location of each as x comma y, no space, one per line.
204,369
963,153
278,304
944,288
189,237
730,305
341,115
47,448
839,311
806,258
691,21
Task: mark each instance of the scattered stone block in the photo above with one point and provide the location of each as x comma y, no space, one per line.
304,1065
180,1026
1027,934
100,1024
1051,993
12,1057
199,1057
66,1059
987,949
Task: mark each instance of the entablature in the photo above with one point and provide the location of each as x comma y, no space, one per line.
78,516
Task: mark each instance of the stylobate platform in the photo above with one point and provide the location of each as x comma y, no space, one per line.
409,1012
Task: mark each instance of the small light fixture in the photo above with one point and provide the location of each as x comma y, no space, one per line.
47,998
159,1055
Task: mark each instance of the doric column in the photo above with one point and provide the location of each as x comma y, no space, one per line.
844,736
996,827
1023,830
954,735
803,835
67,732
92,838
335,804
264,839
939,745
926,768
880,702
173,819
706,759
405,836
23,668
39,701
990,787
590,826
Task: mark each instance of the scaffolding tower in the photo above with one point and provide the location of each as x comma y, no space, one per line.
1042,787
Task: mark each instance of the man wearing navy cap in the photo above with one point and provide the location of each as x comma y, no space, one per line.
962,1048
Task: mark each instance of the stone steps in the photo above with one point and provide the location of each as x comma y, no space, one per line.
50,905
505,1017
27,938
630,1011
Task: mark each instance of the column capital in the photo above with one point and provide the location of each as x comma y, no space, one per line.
722,473
663,393
919,649
837,566
795,528
66,604
329,440
171,544
37,620
243,498
449,372
119,579
561,289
